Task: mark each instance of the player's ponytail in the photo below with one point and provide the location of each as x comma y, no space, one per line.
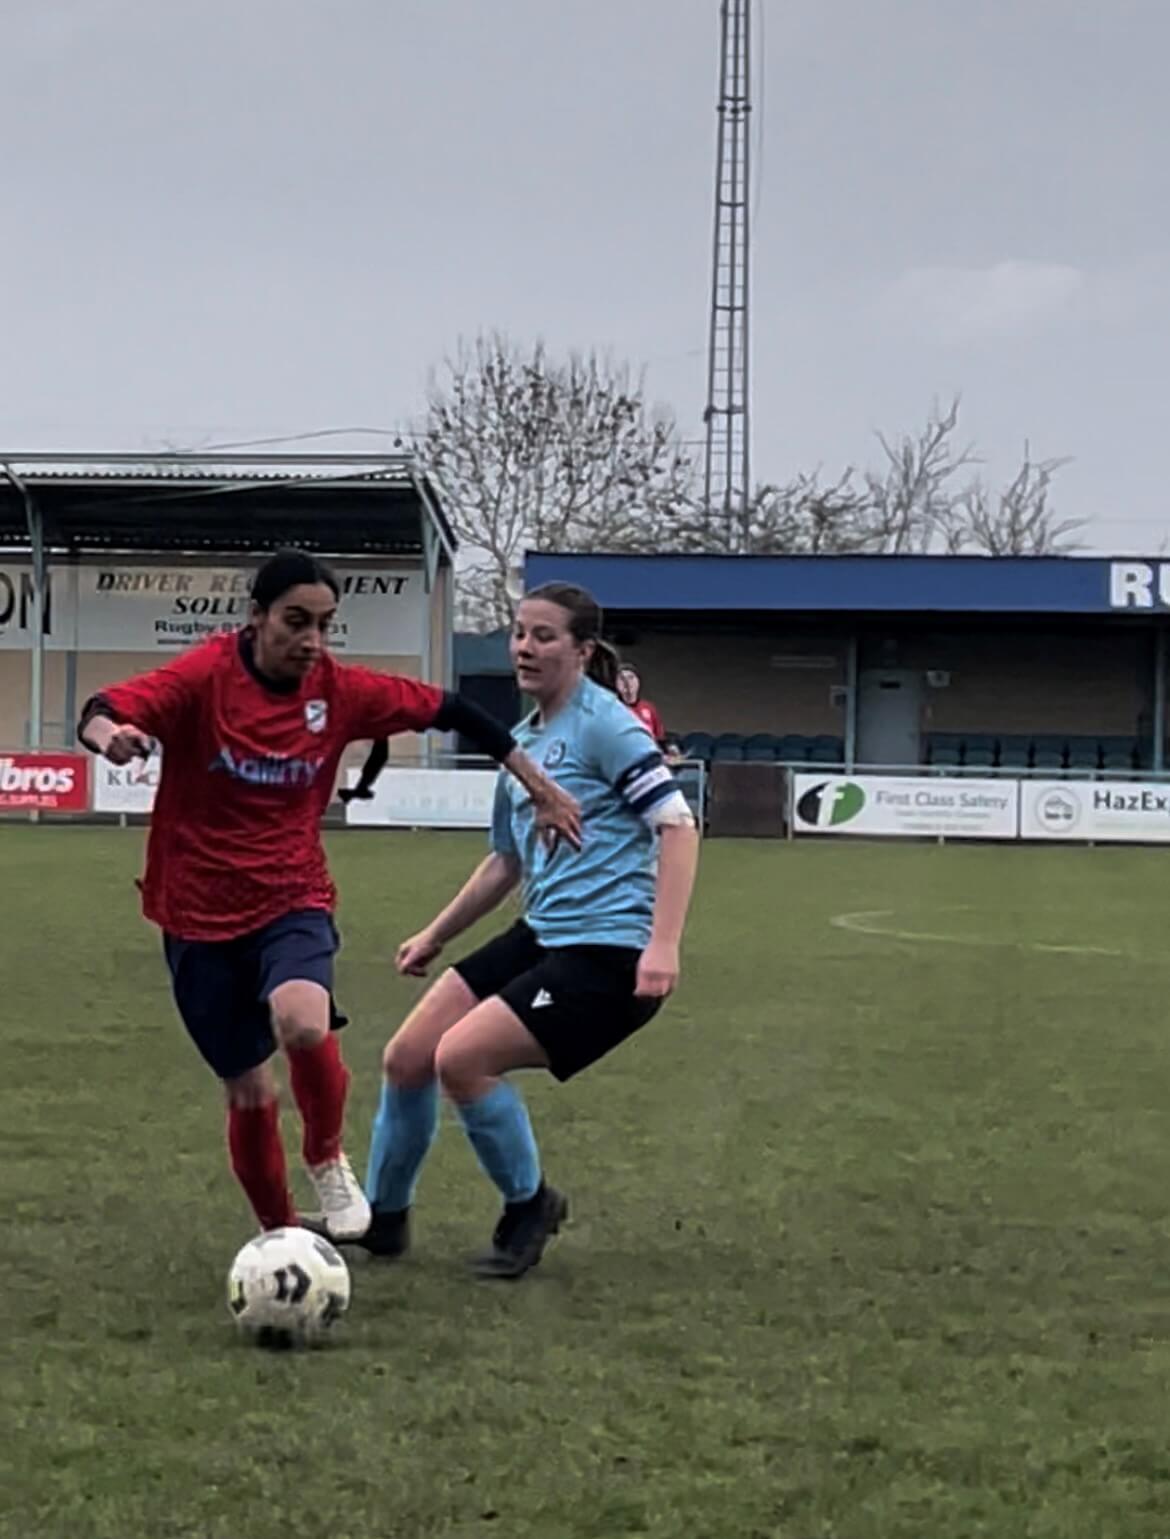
604,665
289,569
585,622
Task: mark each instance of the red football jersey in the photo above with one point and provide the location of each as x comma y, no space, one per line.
650,719
248,768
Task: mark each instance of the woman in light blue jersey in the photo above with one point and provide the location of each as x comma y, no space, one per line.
591,962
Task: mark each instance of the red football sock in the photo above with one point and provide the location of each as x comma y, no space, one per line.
258,1161
320,1082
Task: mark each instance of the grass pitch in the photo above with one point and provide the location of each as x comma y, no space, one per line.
869,1235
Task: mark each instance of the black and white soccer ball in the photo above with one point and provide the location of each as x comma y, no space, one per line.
288,1288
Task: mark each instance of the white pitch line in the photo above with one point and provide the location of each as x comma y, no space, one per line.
867,922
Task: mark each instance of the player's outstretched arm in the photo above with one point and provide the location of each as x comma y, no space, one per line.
678,863
384,704
118,742
487,887
557,813
121,720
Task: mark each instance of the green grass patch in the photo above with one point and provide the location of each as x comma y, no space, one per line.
869,1235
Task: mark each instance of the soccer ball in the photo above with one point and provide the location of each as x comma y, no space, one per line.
288,1288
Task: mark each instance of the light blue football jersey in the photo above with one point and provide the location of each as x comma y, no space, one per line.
603,894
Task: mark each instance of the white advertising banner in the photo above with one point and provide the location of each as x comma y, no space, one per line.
128,788
906,807
16,607
1124,812
426,798
16,603
140,607
124,608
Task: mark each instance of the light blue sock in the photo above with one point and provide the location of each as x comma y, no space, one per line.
403,1132
501,1135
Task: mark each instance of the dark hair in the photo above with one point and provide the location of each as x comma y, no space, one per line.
289,569
585,621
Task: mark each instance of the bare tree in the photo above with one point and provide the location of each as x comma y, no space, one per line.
1016,521
531,453
917,505
802,518
908,504
535,454
920,501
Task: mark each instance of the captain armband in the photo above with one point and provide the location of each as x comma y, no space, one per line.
672,811
650,789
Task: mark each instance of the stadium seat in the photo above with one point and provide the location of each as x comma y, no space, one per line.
698,745
793,749
945,757
977,756
980,750
1084,753
1118,753
761,748
827,750
728,747
948,744
1047,759
1015,751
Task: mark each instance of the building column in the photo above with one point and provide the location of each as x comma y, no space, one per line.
426,656
851,671
36,694
1159,712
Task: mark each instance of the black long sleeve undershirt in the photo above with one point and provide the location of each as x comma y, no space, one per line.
456,714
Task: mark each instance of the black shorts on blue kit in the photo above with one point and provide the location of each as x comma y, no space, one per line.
577,1001
222,988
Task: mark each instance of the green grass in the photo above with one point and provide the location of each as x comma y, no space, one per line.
869,1240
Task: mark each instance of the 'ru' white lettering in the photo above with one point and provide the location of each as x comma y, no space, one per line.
1131,585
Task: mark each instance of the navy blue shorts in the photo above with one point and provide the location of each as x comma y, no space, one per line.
222,988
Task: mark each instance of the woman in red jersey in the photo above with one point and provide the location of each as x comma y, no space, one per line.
629,688
253,725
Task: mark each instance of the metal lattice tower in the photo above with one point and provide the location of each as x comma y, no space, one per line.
727,483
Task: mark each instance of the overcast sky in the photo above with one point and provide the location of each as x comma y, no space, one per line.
230,218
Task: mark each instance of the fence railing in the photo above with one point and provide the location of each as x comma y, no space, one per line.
440,790
730,797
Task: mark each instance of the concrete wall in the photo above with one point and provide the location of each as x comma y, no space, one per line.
15,680
725,683
1029,682
1093,679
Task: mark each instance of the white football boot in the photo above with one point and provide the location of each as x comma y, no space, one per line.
344,1209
